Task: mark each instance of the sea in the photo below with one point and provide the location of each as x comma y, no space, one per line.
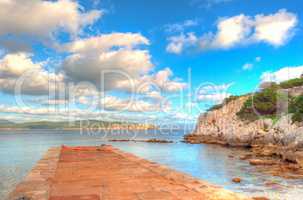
21,149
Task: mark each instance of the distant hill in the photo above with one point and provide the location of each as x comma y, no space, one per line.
6,122
74,125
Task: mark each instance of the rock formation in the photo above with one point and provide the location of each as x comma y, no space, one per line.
282,139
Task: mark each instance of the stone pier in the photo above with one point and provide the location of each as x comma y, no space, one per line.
106,173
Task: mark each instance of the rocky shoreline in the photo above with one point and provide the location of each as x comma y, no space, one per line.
270,159
274,147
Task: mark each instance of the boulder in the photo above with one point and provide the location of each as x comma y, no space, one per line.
262,162
236,180
245,157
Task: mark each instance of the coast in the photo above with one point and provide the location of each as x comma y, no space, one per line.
276,147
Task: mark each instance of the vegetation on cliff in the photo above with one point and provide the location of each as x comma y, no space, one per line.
296,107
269,102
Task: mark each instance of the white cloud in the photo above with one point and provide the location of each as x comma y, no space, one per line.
14,65
19,70
127,66
180,27
116,65
106,42
154,95
163,79
154,84
178,43
122,54
94,56
247,66
43,19
232,31
207,3
283,74
112,103
274,29
250,65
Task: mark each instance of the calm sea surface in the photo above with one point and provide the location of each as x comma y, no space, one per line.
20,150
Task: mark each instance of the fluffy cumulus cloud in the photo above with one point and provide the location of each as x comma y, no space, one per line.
43,19
232,31
163,79
282,74
116,57
274,29
121,60
19,73
14,65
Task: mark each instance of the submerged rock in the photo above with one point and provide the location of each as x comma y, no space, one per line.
262,162
260,198
236,180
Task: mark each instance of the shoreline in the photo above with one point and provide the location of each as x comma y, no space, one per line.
273,159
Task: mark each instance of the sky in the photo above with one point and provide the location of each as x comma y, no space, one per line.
161,62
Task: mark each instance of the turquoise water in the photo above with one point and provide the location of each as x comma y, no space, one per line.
20,150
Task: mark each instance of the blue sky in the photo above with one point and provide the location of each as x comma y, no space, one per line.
193,53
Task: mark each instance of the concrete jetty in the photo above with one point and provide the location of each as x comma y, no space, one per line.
106,173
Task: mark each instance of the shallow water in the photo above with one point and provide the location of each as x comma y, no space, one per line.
20,150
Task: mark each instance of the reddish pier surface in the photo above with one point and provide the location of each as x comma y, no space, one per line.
106,173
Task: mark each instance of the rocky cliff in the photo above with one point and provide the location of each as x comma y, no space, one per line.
224,126
281,138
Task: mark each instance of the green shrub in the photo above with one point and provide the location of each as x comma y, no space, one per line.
296,107
263,103
247,112
291,83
